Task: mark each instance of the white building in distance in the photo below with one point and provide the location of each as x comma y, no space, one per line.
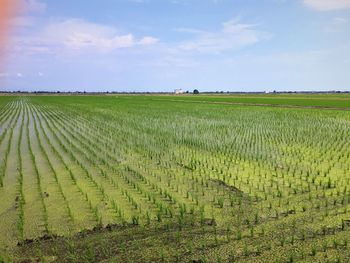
178,91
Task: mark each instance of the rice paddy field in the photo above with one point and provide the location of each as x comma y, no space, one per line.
117,178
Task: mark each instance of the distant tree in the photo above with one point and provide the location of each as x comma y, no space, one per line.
196,91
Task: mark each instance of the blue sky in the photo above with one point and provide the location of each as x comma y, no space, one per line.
161,45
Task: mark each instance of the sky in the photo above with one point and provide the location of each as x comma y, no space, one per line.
162,45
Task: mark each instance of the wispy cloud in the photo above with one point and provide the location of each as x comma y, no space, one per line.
148,41
337,24
232,35
78,34
27,13
327,5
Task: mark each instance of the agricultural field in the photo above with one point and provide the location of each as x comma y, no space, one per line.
122,178
335,101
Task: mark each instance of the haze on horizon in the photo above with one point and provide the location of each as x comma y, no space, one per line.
162,45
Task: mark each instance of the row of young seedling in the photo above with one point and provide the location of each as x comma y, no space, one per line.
12,121
165,192
92,206
101,187
139,189
220,200
304,191
135,186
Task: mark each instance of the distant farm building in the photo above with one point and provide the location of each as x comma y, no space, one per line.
179,91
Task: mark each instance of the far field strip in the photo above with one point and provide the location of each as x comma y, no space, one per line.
258,104
283,96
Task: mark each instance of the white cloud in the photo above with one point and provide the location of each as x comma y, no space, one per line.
148,41
327,5
78,34
80,40
233,35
